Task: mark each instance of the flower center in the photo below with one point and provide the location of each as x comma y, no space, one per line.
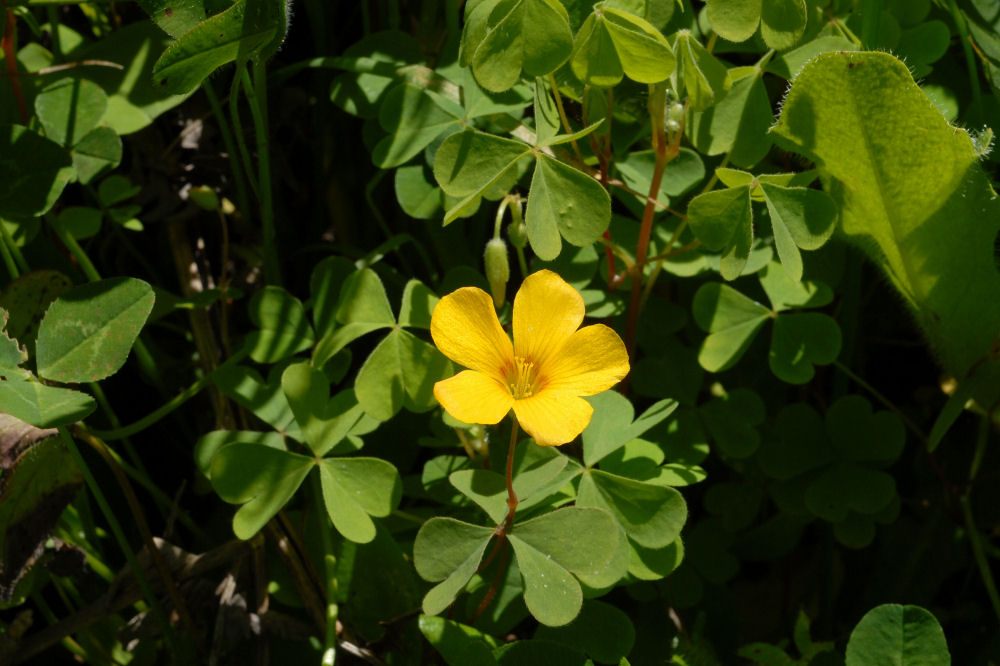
522,377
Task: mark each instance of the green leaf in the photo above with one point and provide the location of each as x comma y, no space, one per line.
209,444
903,178
176,18
33,172
282,326
611,43
261,478
738,123
723,220
417,195
448,550
582,540
786,294
611,425
782,22
87,332
894,634
644,52
324,421
362,307
551,593
801,218
731,418
799,446
458,644
547,122
325,283
489,489
564,201
731,321
98,151
12,355
134,101
44,406
413,120
652,515
400,372
70,108
800,341
735,20
702,76
471,164
847,487
81,221
512,36
861,435
418,304
356,488
266,400
237,33
788,64
686,171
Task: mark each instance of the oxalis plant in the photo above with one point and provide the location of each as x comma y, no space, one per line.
499,332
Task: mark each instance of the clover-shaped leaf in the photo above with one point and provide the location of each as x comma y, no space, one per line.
799,340
603,631
894,634
503,38
44,406
488,489
701,75
551,547
723,221
413,120
282,327
731,320
731,418
828,465
781,22
611,44
261,478
562,202
458,643
612,425
801,218
355,489
651,514
738,123
449,551
324,421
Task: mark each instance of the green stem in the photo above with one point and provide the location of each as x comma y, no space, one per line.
8,258
174,403
244,152
970,59
116,528
975,539
256,93
331,611
227,140
14,250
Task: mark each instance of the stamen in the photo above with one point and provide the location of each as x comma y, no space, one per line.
522,377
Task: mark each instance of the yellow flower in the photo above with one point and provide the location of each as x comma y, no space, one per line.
542,375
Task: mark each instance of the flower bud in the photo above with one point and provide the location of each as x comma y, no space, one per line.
517,232
204,196
497,269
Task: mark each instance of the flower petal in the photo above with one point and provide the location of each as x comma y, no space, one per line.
473,397
552,417
592,360
465,328
546,312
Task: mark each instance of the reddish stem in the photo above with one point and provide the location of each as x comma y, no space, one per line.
9,44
